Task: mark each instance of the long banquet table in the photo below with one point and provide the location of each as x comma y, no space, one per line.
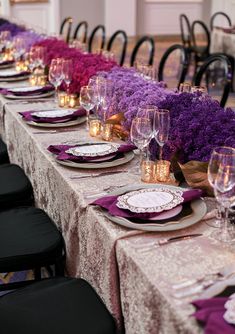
134,285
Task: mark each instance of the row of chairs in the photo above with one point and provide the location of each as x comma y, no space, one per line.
120,35
30,240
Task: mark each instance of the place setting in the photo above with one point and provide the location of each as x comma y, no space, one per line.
27,92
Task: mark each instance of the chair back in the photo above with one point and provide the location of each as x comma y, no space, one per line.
84,27
65,28
183,59
226,17
115,37
228,74
140,42
185,30
201,50
93,36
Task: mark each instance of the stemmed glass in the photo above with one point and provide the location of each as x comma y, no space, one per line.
221,156
67,70
32,58
225,195
55,74
5,39
19,47
95,82
86,101
105,89
40,57
141,134
161,128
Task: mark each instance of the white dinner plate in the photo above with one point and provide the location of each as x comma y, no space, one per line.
77,121
11,79
29,97
95,150
24,89
198,207
128,156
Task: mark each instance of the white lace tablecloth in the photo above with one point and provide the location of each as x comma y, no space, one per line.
134,285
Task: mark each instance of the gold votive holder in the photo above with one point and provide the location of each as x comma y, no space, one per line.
107,131
33,80
20,66
147,171
42,80
162,170
94,127
72,100
62,99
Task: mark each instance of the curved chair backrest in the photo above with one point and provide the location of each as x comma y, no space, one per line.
184,61
219,14
140,42
84,26
93,34
68,21
185,30
206,33
228,74
116,35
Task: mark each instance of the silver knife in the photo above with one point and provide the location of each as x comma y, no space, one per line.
181,237
98,174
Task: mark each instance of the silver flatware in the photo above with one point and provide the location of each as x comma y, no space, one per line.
165,241
54,131
98,174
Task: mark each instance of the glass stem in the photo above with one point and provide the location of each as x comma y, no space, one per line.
87,119
225,221
160,152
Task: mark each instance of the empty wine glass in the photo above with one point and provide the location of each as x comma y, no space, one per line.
40,57
225,194
95,82
67,72
161,128
5,39
141,134
19,47
87,101
105,88
32,58
55,74
217,157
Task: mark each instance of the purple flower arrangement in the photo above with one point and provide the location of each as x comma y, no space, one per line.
30,37
12,27
85,65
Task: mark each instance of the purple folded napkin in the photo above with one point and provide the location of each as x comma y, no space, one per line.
210,313
109,203
60,151
38,91
30,117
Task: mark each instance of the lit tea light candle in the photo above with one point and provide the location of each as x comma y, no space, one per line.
62,99
42,80
94,127
107,132
147,171
33,80
19,66
72,100
162,172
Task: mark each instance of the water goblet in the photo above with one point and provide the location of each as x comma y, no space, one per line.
55,74
86,101
67,72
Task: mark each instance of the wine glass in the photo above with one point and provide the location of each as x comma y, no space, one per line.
19,47
95,82
40,57
225,194
141,134
161,128
55,74
185,87
105,89
6,39
32,59
67,70
86,101
217,156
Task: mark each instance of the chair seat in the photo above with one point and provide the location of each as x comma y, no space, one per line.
28,239
56,305
15,189
3,153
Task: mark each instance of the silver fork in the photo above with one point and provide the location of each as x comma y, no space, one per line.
103,191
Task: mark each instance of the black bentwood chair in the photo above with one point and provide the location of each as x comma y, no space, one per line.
227,78
185,31
176,52
119,34
3,153
216,15
15,189
144,40
29,240
55,305
65,28
200,42
94,36
82,26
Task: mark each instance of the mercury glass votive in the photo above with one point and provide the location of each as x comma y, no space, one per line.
107,131
72,100
20,66
162,170
94,127
42,80
147,171
33,80
62,99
